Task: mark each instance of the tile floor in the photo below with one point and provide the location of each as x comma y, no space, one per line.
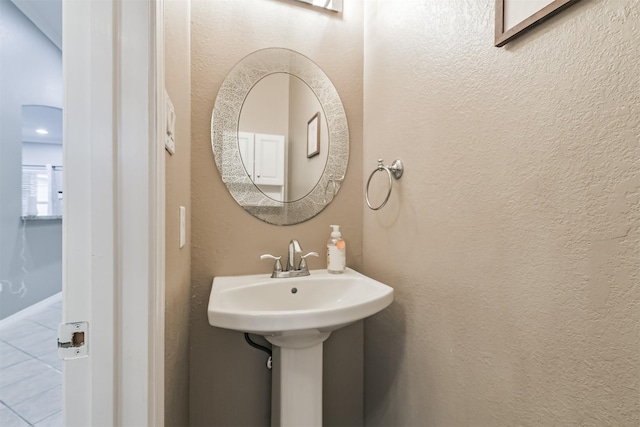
30,370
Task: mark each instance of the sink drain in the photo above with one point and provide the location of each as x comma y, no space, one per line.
294,290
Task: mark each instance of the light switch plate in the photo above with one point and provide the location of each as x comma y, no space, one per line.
170,141
183,226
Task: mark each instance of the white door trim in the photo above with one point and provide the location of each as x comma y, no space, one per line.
157,295
113,228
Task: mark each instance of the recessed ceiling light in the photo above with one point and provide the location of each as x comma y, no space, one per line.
42,131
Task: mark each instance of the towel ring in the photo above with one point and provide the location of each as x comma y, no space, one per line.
394,171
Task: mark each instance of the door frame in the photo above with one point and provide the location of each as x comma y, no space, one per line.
114,210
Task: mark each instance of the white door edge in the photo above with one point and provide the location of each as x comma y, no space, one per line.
157,396
113,228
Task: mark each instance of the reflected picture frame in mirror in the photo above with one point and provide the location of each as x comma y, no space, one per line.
224,135
313,136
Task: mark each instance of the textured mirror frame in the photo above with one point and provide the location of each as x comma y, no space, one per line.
224,135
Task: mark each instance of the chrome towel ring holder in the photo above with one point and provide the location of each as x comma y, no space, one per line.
394,171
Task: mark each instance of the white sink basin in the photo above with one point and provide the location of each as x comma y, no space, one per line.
320,302
296,315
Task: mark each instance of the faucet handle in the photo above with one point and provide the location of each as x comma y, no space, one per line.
278,265
303,262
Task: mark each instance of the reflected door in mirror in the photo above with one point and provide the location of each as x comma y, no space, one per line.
263,158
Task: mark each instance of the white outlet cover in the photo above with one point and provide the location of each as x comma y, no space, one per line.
183,226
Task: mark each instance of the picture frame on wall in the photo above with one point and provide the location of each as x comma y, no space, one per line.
515,17
313,136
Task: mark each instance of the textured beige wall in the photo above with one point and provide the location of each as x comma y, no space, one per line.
229,385
513,238
178,193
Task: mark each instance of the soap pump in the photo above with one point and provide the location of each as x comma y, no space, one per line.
336,252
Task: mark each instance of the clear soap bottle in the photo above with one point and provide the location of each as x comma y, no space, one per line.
336,252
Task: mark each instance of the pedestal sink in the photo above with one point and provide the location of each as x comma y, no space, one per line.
297,315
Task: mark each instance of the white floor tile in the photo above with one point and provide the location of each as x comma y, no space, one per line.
49,318
19,328
52,359
10,419
54,420
30,387
36,344
9,355
41,406
20,391
21,371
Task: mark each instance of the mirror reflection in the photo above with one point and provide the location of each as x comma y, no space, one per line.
280,136
283,137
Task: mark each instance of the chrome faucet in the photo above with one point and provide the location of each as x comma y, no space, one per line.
294,248
291,271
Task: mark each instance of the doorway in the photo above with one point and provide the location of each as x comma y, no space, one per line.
113,136
30,213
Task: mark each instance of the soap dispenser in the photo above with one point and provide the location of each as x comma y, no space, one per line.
336,252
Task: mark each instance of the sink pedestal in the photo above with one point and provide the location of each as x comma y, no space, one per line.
296,314
296,392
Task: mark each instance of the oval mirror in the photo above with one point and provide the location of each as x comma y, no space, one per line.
279,136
